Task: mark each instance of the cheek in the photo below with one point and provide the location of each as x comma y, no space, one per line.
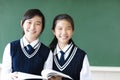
71,34
24,27
39,28
56,33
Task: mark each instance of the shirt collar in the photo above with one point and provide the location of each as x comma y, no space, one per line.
64,49
33,44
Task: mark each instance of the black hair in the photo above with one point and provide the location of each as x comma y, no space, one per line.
31,13
67,17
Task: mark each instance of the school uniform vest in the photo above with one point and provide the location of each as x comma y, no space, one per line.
33,65
73,64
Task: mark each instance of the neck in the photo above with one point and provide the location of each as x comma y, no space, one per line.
61,46
29,39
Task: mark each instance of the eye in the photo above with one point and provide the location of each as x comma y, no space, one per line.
59,28
29,22
38,23
69,28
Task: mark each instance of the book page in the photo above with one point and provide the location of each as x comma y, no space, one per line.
48,73
22,76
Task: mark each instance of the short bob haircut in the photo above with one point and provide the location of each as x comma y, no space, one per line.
31,13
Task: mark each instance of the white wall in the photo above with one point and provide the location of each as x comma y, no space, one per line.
105,73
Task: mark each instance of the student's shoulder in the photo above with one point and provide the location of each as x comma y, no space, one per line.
44,46
79,50
15,41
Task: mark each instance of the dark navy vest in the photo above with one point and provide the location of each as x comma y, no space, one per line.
22,63
73,69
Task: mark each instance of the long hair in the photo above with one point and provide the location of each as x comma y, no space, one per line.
54,42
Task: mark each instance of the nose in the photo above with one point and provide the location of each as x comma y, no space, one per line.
64,31
32,26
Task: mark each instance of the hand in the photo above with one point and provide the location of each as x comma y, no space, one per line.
14,75
55,78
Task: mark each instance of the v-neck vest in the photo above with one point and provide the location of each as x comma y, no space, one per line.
73,66
22,63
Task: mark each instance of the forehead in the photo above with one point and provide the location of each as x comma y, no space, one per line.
35,18
63,22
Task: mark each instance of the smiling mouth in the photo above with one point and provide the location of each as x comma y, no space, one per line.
64,37
32,32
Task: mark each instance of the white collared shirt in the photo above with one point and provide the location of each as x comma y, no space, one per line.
34,44
85,73
64,50
7,62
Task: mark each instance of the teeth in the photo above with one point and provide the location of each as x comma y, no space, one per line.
32,31
64,37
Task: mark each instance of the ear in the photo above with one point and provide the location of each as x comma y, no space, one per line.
53,32
21,24
73,32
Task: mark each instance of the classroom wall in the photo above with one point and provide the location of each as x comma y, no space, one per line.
105,73
97,25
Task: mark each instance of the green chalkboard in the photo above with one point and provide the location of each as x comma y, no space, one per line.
97,25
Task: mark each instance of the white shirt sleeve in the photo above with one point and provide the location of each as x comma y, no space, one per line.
49,61
6,64
85,73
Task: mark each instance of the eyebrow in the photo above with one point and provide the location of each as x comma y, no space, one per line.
39,21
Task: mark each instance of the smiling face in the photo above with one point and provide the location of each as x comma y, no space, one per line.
32,28
63,31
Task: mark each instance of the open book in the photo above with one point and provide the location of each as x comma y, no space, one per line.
46,74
